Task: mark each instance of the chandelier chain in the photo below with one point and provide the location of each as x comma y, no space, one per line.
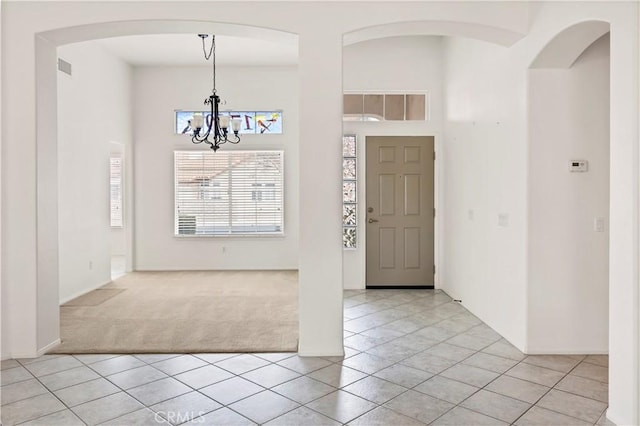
211,55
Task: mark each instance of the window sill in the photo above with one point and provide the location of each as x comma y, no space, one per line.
233,236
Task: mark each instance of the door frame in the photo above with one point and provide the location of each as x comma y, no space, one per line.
361,140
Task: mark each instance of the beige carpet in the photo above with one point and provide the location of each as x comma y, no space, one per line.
182,312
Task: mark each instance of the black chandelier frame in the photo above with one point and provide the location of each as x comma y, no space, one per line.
215,133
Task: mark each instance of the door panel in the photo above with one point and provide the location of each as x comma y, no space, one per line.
399,198
412,248
387,248
387,154
387,204
412,195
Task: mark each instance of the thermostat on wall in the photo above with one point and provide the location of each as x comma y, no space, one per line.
578,166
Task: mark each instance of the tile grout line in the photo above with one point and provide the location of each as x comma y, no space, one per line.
228,406
437,374
462,361
56,397
554,388
477,391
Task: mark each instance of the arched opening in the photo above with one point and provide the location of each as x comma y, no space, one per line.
563,50
568,282
495,35
411,58
48,167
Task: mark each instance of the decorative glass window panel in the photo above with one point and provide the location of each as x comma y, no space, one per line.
269,122
183,122
229,193
349,169
349,216
349,146
251,122
349,192
349,235
247,121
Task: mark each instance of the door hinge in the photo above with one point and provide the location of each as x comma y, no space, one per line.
434,156
434,269
434,212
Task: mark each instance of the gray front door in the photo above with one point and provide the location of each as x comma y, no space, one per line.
400,210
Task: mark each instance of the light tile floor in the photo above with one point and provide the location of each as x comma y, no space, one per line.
413,357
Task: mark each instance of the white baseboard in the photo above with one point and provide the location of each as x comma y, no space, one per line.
224,268
47,348
610,419
83,292
354,288
557,351
302,354
39,352
316,354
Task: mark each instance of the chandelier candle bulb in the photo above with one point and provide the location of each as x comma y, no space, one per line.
235,125
197,122
224,121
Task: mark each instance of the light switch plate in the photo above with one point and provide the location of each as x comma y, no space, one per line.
578,166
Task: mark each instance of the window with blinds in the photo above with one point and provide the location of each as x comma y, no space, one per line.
115,172
229,193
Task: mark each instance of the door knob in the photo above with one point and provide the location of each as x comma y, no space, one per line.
373,220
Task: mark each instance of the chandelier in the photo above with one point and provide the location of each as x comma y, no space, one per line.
213,129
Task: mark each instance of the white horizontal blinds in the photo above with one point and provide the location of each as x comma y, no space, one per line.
115,171
229,192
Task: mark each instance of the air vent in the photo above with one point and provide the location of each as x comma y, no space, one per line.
64,66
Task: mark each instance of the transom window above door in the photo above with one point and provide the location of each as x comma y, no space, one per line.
385,107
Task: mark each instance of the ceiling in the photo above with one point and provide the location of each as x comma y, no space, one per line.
186,49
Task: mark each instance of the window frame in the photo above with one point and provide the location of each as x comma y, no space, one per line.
350,228
280,234
116,156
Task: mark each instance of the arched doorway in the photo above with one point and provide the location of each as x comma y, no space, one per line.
569,192
47,165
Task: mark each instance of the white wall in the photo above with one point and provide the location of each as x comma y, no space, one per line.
118,242
568,261
93,110
485,173
158,92
486,264
393,64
